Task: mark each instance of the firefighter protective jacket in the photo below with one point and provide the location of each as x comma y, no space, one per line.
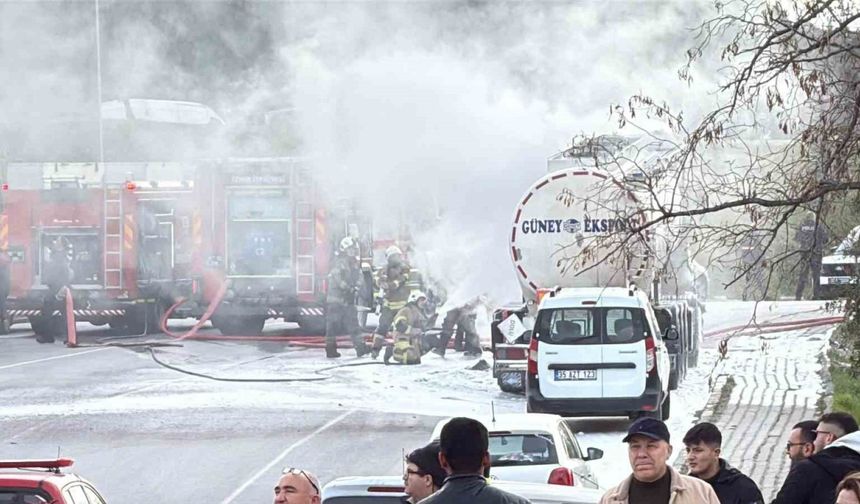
344,280
394,281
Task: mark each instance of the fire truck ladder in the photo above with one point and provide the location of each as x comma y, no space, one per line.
113,237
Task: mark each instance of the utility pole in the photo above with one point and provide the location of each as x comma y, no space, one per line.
99,82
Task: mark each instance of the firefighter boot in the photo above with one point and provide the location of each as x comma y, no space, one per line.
389,352
362,349
378,342
331,350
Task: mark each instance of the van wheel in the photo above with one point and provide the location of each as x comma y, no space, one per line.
666,407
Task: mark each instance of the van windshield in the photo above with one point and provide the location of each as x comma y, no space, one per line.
591,326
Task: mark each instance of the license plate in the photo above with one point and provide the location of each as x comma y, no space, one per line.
575,374
842,280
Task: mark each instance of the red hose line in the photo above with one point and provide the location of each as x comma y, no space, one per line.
310,341
785,325
71,329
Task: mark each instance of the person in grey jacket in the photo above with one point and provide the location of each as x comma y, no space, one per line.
464,454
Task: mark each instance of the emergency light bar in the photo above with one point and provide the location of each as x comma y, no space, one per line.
36,464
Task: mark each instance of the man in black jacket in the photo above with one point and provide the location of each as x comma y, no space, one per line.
831,427
801,441
814,480
464,454
704,442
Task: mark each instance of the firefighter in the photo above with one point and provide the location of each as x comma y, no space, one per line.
57,274
409,325
811,237
344,283
466,337
394,281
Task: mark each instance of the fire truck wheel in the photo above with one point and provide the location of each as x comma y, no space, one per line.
239,326
117,324
49,327
145,319
312,325
5,324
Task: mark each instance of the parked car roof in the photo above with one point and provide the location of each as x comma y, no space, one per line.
510,422
389,489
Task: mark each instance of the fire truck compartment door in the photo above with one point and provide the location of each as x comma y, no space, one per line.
83,249
259,233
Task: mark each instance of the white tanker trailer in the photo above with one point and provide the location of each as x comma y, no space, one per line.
571,230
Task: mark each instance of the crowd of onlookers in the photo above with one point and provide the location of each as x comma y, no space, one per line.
824,454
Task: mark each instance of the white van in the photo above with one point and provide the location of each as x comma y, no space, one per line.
597,352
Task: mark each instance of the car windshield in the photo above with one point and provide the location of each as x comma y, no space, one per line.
513,449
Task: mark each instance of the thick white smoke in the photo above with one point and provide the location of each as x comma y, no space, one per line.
436,115
443,118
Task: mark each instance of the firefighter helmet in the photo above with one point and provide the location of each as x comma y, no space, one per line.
416,296
348,243
393,250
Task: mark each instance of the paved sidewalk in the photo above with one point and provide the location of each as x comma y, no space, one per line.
761,389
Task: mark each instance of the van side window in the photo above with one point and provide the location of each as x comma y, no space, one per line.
625,325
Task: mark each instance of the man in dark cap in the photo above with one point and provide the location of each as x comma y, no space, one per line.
653,481
424,475
464,454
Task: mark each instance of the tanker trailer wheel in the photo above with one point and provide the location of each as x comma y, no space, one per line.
248,325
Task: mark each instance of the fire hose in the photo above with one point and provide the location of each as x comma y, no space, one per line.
759,329
771,327
72,341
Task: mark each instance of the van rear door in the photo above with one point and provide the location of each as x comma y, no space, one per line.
569,353
623,355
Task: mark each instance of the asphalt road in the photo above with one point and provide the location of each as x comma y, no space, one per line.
143,433
71,401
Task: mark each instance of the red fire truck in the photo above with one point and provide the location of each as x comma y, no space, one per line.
140,235
126,230
266,236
